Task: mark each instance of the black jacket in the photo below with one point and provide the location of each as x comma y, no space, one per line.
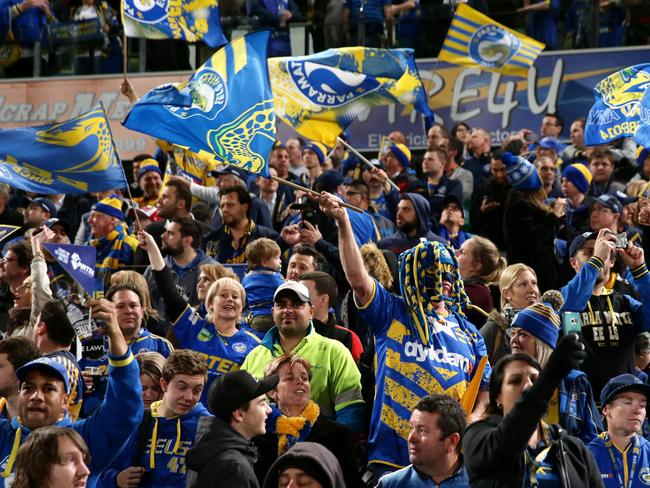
220,457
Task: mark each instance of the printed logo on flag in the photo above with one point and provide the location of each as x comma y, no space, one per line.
492,46
77,264
209,96
624,92
147,11
328,86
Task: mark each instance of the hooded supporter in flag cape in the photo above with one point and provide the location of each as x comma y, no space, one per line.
321,94
224,111
191,21
475,39
617,110
72,157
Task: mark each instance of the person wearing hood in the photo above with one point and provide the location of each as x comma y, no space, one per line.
180,244
528,222
424,343
223,454
413,223
171,422
306,463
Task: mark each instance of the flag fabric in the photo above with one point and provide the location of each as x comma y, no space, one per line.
475,39
72,157
79,262
189,20
7,230
224,111
321,94
617,109
642,136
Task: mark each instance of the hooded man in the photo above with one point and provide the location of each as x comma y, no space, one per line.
413,222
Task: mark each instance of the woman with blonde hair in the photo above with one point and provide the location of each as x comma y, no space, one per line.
480,265
518,287
216,336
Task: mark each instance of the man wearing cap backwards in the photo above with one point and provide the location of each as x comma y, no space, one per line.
610,319
171,426
397,161
43,400
150,182
423,342
622,455
452,221
222,455
336,381
115,246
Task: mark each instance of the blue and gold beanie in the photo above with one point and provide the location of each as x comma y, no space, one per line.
318,148
110,206
541,320
147,165
402,153
579,175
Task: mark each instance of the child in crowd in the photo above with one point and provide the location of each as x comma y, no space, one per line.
261,281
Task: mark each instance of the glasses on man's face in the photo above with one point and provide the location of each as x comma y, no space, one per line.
6,260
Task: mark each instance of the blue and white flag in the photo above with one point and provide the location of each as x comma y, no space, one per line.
7,230
79,263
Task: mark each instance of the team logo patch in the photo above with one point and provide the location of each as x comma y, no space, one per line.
327,86
147,11
492,46
209,96
239,347
204,335
644,475
624,90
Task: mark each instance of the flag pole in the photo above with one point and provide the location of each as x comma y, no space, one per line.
368,163
125,49
313,192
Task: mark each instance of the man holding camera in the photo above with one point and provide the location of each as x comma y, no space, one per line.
610,319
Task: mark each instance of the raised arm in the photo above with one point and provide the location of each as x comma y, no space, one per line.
360,281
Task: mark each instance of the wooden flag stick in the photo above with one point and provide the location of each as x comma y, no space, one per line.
125,52
313,192
368,163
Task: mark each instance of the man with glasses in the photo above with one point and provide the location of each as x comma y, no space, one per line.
336,381
14,268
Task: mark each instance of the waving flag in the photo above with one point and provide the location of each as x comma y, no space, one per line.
7,230
475,39
617,111
321,94
76,156
79,263
642,135
190,20
224,111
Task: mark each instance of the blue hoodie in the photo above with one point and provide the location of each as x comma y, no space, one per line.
400,242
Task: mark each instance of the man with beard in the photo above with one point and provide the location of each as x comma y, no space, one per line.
180,245
149,181
228,243
413,223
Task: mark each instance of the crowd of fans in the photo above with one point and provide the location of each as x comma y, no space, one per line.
481,318
41,27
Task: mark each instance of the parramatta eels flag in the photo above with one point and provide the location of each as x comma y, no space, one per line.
79,262
642,135
75,156
190,20
617,110
321,94
224,111
475,39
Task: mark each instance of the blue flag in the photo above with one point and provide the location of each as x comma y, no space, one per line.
190,20
71,157
79,263
642,135
617,110
224,111
7,230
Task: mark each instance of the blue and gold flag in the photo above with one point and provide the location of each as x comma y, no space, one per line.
321,94
224,111
71,157
190,20
642,136
617,110
475,39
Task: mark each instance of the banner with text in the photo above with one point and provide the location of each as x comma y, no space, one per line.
561,82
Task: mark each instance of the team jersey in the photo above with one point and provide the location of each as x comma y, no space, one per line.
622,469
221,353
172,437
95,354
407,370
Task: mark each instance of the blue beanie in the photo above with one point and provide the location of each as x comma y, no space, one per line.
541,320
318,148
402,153
522,175
147,165
579,175
110,206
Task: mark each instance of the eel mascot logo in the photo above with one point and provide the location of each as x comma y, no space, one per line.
492,46
623,90
147,11
209,96
327,86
